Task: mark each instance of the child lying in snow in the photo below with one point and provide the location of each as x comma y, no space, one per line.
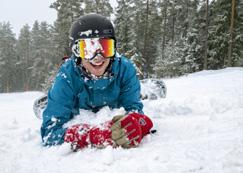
93,77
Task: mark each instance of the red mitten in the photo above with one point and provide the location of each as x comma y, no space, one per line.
128,131
82,135
78,136
144,121
100,136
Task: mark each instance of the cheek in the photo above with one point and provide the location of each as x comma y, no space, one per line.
86,64
106,63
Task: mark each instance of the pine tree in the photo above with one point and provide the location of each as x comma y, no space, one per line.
191,48
238,33
7,58
237,36
102,7
67,12
43,54
178,45
144,22
24,57
33,67
153,35
219,34
124,27
202,36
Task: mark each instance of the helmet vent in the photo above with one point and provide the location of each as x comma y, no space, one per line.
107,31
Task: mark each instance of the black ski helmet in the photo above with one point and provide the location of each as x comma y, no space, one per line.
91,26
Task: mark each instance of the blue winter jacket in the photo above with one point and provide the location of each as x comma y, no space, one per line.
72,91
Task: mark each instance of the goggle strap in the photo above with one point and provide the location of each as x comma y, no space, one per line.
75,49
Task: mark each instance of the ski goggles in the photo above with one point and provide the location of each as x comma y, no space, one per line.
91,47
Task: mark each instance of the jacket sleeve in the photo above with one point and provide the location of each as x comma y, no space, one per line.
130,90
58,110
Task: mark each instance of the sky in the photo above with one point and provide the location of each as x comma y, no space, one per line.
21,12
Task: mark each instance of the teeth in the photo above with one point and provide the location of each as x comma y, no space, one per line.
97,63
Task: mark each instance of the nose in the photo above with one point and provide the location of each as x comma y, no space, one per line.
98,58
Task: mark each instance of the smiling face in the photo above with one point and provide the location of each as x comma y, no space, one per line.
96,53
97,66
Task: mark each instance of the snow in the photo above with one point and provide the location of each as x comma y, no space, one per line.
87,33
91,47
199,129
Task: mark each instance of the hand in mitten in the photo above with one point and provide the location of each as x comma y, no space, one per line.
100,136
128,131
82,135
78,136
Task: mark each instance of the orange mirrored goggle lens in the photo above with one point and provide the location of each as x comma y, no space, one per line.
89,48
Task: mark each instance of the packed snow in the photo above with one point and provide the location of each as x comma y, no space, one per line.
199,129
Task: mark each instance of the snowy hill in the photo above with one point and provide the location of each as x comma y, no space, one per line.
199,129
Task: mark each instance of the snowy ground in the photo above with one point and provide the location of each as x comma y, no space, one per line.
199,129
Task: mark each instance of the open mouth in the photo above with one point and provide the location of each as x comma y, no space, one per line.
97,64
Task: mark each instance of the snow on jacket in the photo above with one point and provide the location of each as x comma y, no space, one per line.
72,91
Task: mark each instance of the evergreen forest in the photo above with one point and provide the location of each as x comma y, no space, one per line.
164,38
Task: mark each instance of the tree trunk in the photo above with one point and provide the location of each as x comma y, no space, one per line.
97,6
205,61
164,29
146,39
231,30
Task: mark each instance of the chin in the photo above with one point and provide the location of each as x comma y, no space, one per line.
96,68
